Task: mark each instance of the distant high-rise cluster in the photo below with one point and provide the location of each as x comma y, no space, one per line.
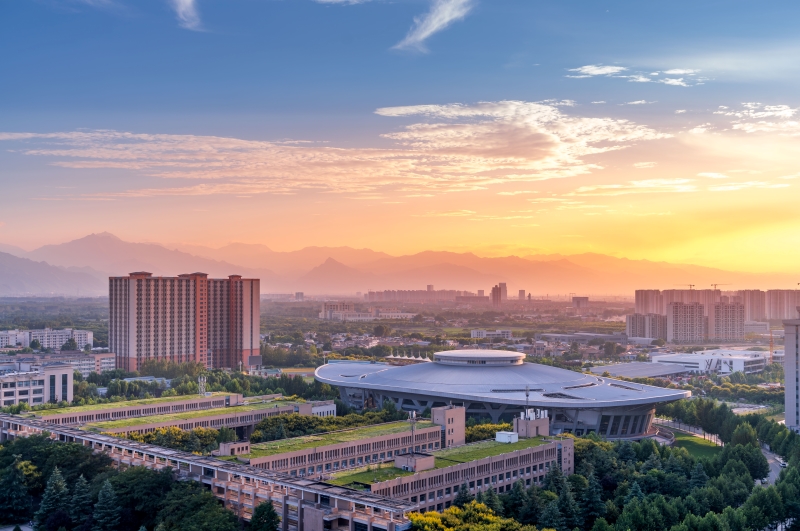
696,315
185,318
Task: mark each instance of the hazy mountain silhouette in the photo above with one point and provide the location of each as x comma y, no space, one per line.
21,276
345,270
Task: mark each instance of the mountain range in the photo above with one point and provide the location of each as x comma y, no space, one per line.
82,266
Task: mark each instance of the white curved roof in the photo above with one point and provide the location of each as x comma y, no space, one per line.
502,384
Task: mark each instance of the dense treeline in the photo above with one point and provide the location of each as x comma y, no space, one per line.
640,486
481,432
284,426
67,486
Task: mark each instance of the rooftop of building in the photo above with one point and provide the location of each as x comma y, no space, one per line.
157,419
443,458
332,437
124,403
639,370
510,383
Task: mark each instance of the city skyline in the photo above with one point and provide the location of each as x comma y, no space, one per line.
658,132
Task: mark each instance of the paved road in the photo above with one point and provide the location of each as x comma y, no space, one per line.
774,466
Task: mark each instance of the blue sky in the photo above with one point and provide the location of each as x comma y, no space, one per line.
317,72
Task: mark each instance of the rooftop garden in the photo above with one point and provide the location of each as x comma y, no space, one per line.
122,403
479,450
367,475
155,419
333,437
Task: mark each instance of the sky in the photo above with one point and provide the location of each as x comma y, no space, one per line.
648,130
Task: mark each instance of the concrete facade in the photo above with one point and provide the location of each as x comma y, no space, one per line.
791,367
36,384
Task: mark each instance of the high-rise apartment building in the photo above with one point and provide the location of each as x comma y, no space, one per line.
685,322
521,295
503,291
497,296
782,304
791,367
649,301
185,318
726,321
755,304
647,325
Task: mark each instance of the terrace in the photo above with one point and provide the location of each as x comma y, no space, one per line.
332,437
157,419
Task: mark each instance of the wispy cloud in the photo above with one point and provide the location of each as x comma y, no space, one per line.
638,102
648,186
186,11
644,165
596,70
732,187
712,175
518,192
442,14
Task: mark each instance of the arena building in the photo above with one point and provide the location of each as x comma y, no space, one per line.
499,384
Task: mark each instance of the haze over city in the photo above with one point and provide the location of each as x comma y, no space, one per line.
665,132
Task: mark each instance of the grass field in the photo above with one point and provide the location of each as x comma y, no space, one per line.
696,446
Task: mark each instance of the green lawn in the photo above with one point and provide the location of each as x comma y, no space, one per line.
480,450
154,419
126,403
368,475
334,437
696,446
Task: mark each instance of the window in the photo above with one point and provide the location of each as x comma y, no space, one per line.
38,399
8,393
38,392
52,387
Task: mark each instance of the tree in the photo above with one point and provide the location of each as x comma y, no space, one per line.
601,525
281,432
463,497
744,434
70,344
592,500
106,510
381,331
492,501
515,500
35,345
265,518
569,509
15,504
81,504
55,499
551,517
699,477
635,493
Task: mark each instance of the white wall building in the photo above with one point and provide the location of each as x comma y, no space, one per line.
720,361
726,321
488,334
756,327
35,384
13,338
54,339
650,326
782,304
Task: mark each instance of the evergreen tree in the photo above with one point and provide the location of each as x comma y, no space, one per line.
554,480
142,528
81,505
635,493
601,525
106,510
492,501
699,477
265,518
673,465
55,498
569,509
463,497
515,500
532,510
194,444
281,431
479,497
653,463
592,500
15,504
551,517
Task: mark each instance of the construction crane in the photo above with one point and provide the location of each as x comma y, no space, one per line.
691,286
715,285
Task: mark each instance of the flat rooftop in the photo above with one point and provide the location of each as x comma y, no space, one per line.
361,477
640,370
124,403
332,437
156,419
